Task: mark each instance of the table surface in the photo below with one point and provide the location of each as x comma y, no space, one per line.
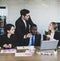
34,57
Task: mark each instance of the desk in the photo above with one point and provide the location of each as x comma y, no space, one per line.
35,57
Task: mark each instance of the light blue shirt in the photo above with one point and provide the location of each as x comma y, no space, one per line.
30,41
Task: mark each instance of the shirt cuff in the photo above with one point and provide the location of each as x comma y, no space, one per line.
24,36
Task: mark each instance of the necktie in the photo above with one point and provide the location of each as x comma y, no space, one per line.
32,39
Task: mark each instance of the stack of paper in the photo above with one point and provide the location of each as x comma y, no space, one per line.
26,47
20,47
8,51
26,53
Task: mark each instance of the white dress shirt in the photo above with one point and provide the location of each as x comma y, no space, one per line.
25,23
52,35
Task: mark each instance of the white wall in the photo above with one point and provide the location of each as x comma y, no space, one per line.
42,11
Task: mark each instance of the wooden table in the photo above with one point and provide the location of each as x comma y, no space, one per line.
35,57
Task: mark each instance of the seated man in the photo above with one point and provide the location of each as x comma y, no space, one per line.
9,39
36,37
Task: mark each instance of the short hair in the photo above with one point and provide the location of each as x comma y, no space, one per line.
8,27
34,25
55,25
24,12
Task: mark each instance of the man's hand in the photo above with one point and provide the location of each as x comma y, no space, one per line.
29,35
7,45
10,45
48,36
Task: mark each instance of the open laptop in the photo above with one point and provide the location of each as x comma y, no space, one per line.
48,45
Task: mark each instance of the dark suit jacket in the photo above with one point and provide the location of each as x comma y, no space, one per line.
5,40
37,40
21,30
57,36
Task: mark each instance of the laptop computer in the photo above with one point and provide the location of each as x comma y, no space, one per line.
48,45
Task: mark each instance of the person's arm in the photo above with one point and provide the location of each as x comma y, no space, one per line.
18,30
38,40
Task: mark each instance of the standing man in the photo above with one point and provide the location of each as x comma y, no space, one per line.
22,27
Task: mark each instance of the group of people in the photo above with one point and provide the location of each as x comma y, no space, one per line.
25,33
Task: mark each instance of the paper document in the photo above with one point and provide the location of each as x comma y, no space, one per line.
20,47
26,53
8,51
25,47
22,54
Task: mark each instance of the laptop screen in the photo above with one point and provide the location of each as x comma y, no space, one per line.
48,45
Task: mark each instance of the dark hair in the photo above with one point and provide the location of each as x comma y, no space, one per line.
24,12
8,27
34,25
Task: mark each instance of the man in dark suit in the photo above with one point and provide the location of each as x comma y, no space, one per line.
35,40
22,27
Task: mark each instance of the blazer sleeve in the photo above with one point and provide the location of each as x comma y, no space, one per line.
57,35
38,40
18,30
